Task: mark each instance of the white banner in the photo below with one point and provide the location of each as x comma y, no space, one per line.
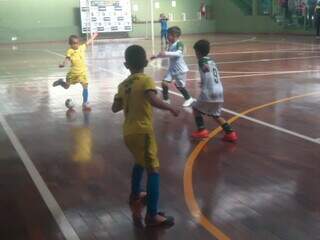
105,15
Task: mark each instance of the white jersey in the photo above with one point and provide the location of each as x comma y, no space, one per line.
177,65
211,86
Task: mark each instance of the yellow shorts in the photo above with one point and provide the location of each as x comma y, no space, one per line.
73,78
144,149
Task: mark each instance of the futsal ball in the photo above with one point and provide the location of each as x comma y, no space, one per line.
69,103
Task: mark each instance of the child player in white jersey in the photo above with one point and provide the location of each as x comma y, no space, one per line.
177,67
211,99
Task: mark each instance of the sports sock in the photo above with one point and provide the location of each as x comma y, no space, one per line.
184,92
199,122
153,185
136,178
85,95
227,128
165,92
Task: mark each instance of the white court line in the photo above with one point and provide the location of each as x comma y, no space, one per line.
262,51
234,42
260,60
243,116
261,122
52,204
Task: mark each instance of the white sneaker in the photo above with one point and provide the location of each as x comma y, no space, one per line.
188,102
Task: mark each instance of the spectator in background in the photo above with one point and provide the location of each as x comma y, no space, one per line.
311,4
317,18
164,29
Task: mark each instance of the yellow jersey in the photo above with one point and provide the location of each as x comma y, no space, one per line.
137,109
78,61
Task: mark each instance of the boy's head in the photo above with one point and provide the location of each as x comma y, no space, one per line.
74,42
202,48
136,58
162,16
173,34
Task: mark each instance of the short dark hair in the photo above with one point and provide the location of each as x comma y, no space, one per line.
136,57
202,47
175,31
73,37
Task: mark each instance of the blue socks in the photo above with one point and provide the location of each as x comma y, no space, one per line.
153,185
85,95
136,178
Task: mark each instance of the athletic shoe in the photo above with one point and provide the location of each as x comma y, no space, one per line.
160,220
200,134
86,107
230,137
58,82
188,102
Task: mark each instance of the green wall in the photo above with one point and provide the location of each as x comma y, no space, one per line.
189,7
52,20
229,18
38,20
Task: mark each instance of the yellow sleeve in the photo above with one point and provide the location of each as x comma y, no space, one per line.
149,84
83,47
69,53
119,93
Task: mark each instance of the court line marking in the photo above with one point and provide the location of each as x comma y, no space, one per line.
52,204
262,51
260,60
252,39
190,198
257,121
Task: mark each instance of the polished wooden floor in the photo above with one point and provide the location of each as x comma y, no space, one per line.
265,187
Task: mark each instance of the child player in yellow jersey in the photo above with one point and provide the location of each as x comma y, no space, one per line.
136,96
78,72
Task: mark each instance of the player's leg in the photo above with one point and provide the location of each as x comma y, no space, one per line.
162,37
165,86
180,82
65,84
61,83
85,93
230,134
201,132
153,217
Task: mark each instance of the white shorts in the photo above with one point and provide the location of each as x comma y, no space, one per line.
180,79
213,109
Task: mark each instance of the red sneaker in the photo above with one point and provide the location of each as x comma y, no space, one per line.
200,134
230,137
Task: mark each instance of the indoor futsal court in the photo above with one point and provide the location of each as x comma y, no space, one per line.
67,170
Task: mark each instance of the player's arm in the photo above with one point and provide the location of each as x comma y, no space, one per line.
117,105
158,103
94,36
65,61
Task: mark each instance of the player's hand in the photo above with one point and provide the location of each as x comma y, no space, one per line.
61,65
95,35
175,111
153,57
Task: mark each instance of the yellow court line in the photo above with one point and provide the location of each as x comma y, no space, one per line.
188,171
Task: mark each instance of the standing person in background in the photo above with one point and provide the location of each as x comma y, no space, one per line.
164,29
310,13
317,18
